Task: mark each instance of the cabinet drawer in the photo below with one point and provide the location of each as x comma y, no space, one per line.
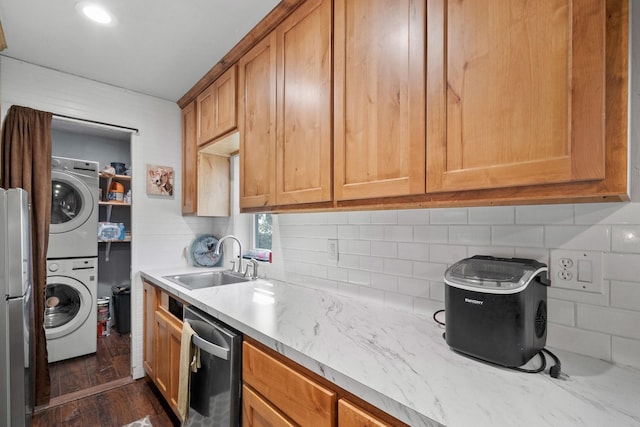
304,401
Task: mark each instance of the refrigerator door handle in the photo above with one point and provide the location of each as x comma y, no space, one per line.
210,348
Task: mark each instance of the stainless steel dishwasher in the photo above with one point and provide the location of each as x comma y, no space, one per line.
215,387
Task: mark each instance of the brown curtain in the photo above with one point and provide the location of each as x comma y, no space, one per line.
26,163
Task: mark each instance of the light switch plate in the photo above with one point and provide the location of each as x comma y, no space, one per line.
578,270
332,250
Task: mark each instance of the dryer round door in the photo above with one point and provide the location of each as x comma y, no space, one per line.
71,202
68,304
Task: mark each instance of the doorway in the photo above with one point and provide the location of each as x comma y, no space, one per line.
110,365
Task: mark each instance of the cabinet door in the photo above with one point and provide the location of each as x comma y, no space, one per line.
168,337
189,160
217,112
515,93
257,87
256,412
350,415
298,397
149,330
379,90
304,160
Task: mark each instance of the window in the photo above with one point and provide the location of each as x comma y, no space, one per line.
262,226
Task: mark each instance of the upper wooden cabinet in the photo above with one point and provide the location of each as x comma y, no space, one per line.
379,89
303,149
257,124
515,93
217,109
189,160
285,112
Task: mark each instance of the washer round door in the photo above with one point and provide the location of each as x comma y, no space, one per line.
71,202
67,306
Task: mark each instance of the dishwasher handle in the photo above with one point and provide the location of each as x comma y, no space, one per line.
210,348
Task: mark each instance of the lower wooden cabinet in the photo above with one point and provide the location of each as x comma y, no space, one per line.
257,412
162,336
278,392
351,415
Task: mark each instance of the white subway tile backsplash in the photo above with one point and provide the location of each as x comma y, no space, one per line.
384,249
561,312
360,278
517,235
607,213
348,261
492,215
360,217
625,295
429,270
398,233
540,255
591,298
625,267
348,290
470,235
348,232
371,294
436,291
544,214
596,238
622,323
385,282
413,251
338,274
338,217
325,231
357,247
384,217
594,344
431,233
372,232
413,216
625,238
625,352
398,267
497,251
449,216
447,253
413,287
370,263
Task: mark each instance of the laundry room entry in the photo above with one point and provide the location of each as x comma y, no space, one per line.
111,255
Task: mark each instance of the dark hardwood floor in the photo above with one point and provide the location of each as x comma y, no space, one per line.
112,408
97,390
112,361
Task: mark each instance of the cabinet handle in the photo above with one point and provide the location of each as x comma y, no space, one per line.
210,348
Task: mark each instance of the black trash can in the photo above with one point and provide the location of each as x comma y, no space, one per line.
122,308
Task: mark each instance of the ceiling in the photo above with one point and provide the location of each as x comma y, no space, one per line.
158,47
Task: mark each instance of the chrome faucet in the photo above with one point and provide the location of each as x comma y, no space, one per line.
236,268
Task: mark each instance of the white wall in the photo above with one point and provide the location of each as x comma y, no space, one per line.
399,257
160,232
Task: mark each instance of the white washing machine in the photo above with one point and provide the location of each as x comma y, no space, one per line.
70,318
74,208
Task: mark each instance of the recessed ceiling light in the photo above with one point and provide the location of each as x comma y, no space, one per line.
96,13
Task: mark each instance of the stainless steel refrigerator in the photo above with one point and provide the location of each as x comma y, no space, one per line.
16,310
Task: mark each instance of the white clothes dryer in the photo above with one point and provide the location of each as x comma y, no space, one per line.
74,208
70,318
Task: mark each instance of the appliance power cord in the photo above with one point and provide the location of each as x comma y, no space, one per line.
554,371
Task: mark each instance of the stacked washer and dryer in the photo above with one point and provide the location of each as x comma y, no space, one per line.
70,319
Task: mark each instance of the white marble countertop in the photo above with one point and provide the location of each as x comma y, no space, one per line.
400,363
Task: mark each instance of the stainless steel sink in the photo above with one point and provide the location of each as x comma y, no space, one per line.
207,279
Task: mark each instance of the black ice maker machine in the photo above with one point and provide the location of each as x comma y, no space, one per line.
496,308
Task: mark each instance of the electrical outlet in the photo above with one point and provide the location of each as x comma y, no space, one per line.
578,270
